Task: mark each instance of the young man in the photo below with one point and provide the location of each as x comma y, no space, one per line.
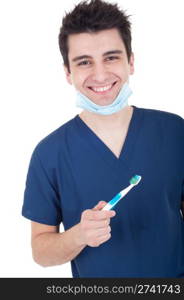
93,156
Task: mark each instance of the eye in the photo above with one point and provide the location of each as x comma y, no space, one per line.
84,63
112,58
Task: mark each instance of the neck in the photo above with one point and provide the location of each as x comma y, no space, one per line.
114,121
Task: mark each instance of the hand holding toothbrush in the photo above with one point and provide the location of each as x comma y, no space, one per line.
94,225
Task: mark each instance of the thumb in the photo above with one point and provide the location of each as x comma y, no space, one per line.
100,205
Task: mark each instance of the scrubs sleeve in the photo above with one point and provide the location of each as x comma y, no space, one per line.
41,198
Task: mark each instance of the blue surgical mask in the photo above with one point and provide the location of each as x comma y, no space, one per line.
119,103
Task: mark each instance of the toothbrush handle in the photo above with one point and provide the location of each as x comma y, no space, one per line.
107,207
117,198
126,190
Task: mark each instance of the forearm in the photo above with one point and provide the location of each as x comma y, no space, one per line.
57,248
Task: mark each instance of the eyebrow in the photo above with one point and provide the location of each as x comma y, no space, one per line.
89,56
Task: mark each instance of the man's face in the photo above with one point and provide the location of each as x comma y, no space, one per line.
98,65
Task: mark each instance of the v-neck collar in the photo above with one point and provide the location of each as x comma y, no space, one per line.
129,142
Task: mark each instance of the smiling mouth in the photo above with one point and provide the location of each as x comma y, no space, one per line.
102,89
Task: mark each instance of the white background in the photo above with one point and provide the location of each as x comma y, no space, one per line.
35,98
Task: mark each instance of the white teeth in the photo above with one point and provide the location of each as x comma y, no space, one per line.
102,89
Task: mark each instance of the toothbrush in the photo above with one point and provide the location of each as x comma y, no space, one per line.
133,181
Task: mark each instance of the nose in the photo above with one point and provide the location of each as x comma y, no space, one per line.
100,74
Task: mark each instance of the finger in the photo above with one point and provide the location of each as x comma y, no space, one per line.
100,224
97,215
100,205
102,214
104,238
103,231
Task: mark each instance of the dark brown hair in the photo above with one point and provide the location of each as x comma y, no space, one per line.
94,16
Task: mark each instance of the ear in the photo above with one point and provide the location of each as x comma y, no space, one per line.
68,75
131,63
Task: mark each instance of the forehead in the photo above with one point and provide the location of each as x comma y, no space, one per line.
94,43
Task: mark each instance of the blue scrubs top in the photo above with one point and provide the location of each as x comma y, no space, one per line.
71,170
